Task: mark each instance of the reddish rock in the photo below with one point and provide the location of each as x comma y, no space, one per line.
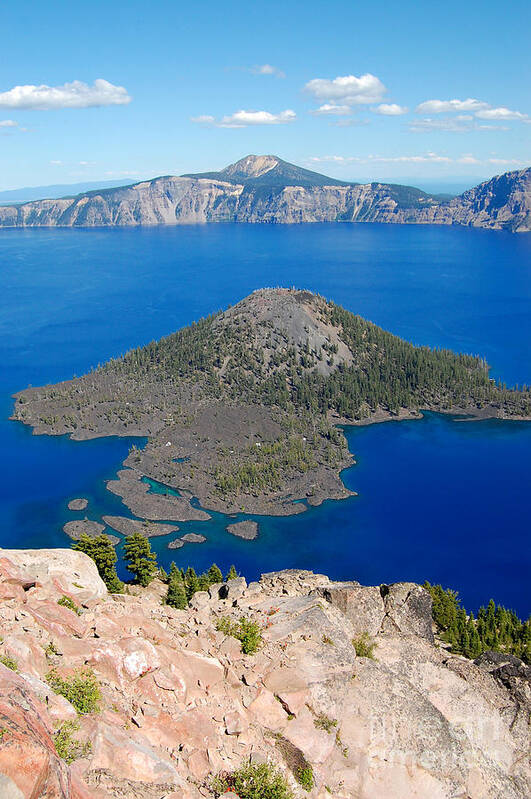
412,723
362,605
114,750
268,712
55,572
29,655
56,619
235,723
12,591
315,744
27,754
293,701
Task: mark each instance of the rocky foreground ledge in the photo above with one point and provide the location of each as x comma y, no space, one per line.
180,702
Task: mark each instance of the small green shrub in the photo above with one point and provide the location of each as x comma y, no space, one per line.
364,645
66,602
339,743
67,746
9,662
322,722
50,649
259,781
246,631
81,689
305,778
327,640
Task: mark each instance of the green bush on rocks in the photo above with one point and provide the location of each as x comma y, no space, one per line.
260,781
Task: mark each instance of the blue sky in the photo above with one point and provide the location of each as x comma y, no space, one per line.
412,91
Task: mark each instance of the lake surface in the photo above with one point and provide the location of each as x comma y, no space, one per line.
438,499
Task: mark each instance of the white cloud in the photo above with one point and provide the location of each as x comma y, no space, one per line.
478,108
56,163
501,113
390,109
204,119
468,159
8,123
445,106
347,89
242,119
267,69
71,95
350,122
335,159
425,158
332,109
507,161
460,124
413,159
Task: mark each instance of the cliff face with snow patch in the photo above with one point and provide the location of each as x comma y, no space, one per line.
181,702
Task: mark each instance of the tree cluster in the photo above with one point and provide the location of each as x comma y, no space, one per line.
183,583
264,465
495,628
385,372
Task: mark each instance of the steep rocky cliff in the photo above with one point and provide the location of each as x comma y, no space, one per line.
180,702
267,189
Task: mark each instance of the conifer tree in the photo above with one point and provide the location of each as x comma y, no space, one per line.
176,594
101,550
142,562
191,582
214,574
495,628
231,574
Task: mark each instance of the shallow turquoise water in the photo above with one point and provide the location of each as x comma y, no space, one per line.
438,499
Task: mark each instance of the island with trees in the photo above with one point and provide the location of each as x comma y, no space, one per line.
243,409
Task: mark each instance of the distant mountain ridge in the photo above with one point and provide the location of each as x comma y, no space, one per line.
30,193
266,189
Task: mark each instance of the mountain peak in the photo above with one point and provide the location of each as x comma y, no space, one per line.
268,171
252,165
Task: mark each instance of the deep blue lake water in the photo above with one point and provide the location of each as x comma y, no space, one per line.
438,499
